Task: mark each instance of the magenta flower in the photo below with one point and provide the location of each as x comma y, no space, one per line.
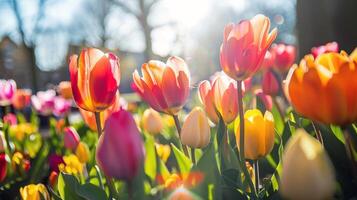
62,106
120,150
10,119
7,91
54,160
71,138
44,102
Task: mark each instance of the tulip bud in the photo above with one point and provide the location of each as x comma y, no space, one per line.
21,99
265,99
34,192
120,151
10,119
163,151
269,84
195,131
52,179
54,161
307,171
71,138
152,121
327,48
3,166
7,91
65,89
2,142
82,152
259,133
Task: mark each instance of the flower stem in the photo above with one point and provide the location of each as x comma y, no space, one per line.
110,182
99,125
241,137
193,156
257,175
278,107
318,133
350,148
178,127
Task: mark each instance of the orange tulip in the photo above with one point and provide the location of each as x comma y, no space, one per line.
219,98
165,87
21,99
95,78
325,89
244,46
89,117
65,89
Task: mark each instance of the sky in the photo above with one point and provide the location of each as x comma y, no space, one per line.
74,21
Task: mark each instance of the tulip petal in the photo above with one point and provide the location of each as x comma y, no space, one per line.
173,93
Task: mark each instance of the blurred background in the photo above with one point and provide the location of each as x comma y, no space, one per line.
38,36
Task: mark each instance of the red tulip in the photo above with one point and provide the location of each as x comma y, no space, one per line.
71,138
3,166
165,87
95,78
244,46
284,56
331,47
269,83
21,99
268,61
120,150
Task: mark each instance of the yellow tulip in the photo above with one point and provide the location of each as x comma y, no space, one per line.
195,130
82,152
71,165
307,171
259,133
163,151
152,121
34,192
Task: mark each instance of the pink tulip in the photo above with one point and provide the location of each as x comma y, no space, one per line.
10,119
7,91
331,47
269,83
71,138
61,106
44,102
284,56
265,99
120,149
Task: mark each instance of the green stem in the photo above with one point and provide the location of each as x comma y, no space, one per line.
257,175
275,102
130,190
193,156
241,138
318,133
99,175
178,127
110,182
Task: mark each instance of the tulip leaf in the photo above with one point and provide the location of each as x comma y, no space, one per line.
337,131
279,121
150,160
67,185
183,162
164,172
91,192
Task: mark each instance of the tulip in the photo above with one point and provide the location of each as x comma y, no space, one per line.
82,152
3,166
89,117
219,98
269,84
165,87
259,134
34,192
44,102
195,131
163,151
65,90
21,99
71,165
10,119
2,142
324,89
268,61
62,106
71,138
7,91
331,47
54,161
152,122
244,46
307,171
265,99
95,78
20,163
284,56
120,150
52,179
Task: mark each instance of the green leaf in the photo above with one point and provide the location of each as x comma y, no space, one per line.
279,122
150,160
183,162
337,131
91,192
66,186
